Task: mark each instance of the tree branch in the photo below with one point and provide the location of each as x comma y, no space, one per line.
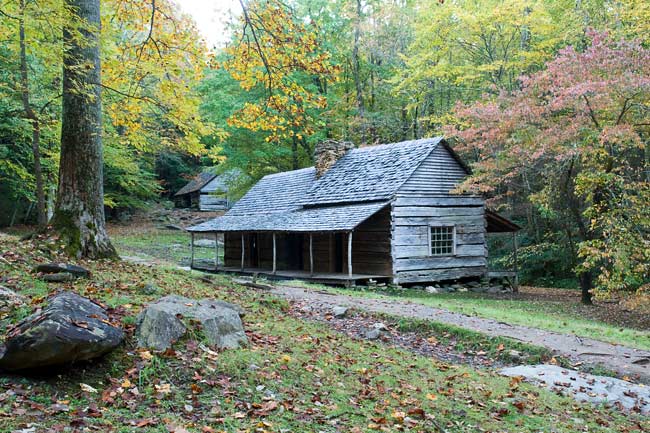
591,112
248,23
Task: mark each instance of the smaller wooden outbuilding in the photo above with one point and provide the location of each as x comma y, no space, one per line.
385,212
207,192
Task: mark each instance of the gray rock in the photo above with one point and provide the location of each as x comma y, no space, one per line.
380,326
479,289
62,277
432,290
495,289
515,356
9,300
373,334
585,387
339,311
57,268
150,289
70,328
161,324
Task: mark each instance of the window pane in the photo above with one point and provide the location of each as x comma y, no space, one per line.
442,240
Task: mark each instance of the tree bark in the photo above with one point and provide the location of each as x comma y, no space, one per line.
79,212
356,72
586,284
31,115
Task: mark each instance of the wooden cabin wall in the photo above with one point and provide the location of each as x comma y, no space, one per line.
424,200
412,218
211,202
371,246
323,252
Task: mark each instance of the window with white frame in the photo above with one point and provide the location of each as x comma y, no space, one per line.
442,240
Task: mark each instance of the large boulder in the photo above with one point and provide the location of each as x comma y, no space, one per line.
161,324
70,328
57,268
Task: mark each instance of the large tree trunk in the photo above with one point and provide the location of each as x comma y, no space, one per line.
31,115
356,72
79,213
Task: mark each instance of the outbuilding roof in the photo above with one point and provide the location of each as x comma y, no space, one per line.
221,182
199,181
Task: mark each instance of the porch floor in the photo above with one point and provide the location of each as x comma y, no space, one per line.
319,277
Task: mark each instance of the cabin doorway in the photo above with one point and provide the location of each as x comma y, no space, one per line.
294,248
253,248
338,252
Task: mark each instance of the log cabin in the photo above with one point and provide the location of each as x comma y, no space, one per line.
207,191
379,213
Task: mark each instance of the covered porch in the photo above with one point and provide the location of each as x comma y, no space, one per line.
359,254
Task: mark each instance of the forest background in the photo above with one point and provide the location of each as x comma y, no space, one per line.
547,100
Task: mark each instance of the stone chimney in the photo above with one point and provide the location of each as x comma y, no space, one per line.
327,153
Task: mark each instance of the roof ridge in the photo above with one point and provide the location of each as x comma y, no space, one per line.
281,173
418,141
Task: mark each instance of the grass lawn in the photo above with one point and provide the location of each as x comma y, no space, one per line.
293,376
562,312
555,310
159,245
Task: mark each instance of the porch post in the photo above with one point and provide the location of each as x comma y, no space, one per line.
350,254
216,251
274,255
242,251
515,259
311,254
192,249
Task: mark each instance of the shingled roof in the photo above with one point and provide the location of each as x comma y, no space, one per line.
199,181
321,219
370,173
360,184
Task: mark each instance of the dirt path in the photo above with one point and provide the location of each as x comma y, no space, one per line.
634,363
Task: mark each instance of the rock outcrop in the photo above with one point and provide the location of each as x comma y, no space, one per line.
70,328
585,387
164,322
58,268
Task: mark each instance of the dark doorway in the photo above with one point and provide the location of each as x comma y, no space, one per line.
338,252
254,257
294,247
